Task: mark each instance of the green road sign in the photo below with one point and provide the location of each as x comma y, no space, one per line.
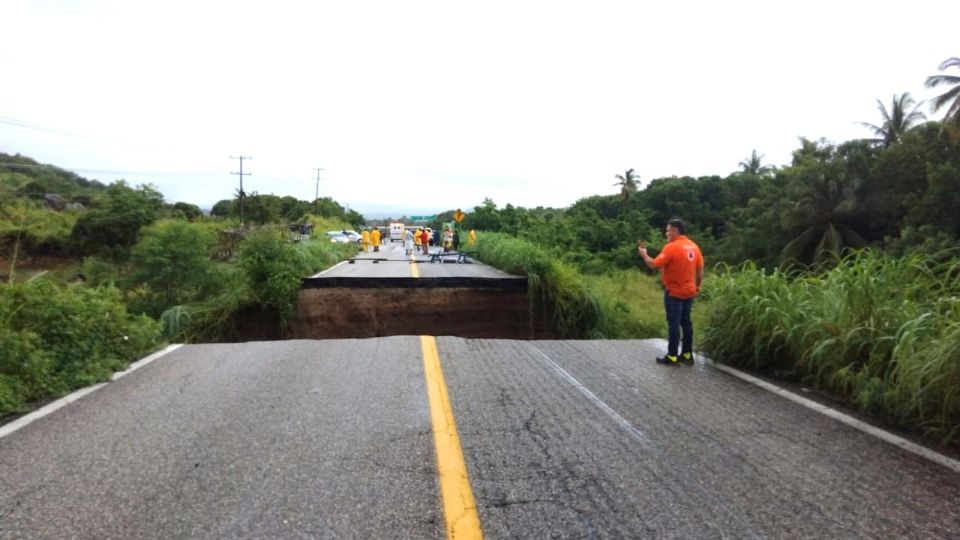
423,218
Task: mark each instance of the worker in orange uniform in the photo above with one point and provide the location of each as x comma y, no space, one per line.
375,239
681,270
365,239
425,241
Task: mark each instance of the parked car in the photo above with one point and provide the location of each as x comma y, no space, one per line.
354,236
338,237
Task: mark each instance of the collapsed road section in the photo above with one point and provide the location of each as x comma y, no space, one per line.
389,293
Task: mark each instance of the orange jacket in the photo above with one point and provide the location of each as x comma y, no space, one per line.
679,262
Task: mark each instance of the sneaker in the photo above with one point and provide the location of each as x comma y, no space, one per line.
667,359
686,358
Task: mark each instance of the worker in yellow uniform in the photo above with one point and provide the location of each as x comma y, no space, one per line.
416,241
375,238
472,238
365,239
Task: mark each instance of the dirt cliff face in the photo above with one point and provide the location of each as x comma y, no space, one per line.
355,312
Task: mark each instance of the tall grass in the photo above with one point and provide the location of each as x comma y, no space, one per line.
882,332
559,293
640,295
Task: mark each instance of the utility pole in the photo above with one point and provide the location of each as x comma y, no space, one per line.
241,174
317,196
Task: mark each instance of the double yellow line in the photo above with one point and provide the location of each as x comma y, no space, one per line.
459,508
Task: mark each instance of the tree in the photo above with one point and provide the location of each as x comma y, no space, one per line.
114,227
172,259
903,115
187,210
825,204
628,183
222,208
949,99
753,166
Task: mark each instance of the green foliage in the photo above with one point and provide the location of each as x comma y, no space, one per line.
273,269
265,278
97,272
882,332
55,338
113,227
559,293
40,231
172,266
185,211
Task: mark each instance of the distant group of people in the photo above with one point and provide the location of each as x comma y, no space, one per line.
368,238
420,240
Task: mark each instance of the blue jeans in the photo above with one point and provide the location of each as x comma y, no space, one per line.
678,318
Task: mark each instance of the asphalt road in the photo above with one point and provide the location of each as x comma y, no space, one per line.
392,262
333,439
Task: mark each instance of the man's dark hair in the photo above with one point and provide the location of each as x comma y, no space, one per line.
678,225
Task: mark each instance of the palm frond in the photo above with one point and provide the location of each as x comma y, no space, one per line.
952,95
949,62
936,80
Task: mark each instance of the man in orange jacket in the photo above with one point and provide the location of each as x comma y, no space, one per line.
681,270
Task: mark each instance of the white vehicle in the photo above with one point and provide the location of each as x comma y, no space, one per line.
354,236
396,232
337,237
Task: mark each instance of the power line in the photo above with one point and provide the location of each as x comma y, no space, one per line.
103,171
21,123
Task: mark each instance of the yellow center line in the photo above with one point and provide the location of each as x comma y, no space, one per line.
414,267
459,508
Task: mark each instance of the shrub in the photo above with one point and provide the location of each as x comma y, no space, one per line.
172,261
56,338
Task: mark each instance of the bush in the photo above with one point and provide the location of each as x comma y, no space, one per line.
55,338
882,332
172,264
266,278
97,271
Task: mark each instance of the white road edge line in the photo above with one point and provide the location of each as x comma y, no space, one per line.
70,398
846,419
330,269
895,440
624,423
642,438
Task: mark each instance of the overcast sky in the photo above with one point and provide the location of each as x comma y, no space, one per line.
418,107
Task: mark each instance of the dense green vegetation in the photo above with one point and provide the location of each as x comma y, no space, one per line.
55,338
900,197
141,271
560,295
883,332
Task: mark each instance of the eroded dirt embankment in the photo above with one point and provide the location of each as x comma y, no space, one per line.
359,312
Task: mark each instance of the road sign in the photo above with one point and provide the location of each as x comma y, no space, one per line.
458,215
423,218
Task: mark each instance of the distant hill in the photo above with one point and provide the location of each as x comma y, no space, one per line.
21,176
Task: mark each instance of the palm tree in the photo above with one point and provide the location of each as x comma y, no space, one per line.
823,211
752,165
628,183
896,120
950,98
